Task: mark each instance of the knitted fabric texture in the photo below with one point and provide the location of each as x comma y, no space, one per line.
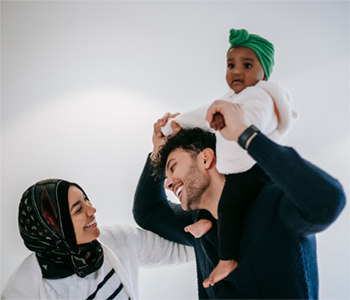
277,255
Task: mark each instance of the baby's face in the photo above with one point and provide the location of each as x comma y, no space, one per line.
243,69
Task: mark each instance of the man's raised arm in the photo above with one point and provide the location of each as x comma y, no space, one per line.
313,199
152,210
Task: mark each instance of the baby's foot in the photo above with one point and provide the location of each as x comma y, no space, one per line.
223,268
199,228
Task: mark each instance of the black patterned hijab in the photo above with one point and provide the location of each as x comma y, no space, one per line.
46,228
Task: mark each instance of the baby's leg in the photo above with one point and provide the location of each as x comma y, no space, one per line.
199,228
239,192
222,270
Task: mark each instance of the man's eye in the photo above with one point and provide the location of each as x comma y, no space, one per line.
172,168
247,65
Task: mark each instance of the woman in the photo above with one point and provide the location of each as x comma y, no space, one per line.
57,222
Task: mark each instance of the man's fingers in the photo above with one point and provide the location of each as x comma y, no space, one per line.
216,107
175,127
163,120
156,128
174,115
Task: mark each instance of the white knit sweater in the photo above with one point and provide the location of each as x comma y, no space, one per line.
127,248
267,105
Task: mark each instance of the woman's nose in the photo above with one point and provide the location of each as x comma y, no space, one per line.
91,210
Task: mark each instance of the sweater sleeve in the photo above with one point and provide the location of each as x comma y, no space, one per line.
187,120
155,251
311,198
152,210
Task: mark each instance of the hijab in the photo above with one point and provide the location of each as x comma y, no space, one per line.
46,228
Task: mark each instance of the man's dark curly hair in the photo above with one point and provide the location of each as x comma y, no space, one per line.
193,141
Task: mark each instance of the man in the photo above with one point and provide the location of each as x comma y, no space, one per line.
277,257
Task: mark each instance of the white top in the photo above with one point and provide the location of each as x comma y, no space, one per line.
267,105
102,284
126,248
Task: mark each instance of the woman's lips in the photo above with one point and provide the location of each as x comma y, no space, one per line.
91,224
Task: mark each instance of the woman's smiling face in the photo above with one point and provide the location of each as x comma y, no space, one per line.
83,216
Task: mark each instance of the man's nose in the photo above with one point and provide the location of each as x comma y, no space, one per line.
168,184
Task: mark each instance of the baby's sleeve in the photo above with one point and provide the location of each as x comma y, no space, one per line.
188,120
258,108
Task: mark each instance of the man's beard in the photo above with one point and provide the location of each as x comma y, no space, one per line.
197,184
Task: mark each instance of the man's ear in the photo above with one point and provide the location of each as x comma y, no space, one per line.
208,158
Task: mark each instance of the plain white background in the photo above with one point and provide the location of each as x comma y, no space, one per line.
82,83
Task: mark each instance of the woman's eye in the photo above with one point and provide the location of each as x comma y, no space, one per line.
247,66
79,210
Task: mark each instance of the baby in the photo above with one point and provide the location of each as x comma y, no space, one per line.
266,105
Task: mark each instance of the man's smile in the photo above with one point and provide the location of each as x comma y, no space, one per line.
177,188
178,191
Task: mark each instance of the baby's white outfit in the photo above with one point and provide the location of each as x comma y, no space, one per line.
267,105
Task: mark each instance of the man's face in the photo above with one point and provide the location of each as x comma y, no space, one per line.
185,178
243,69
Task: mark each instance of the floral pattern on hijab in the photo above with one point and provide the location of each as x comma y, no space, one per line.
46,228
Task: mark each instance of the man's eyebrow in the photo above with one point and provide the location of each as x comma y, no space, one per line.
167,165
75,204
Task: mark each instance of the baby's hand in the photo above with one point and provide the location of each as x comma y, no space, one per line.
199,228
218,122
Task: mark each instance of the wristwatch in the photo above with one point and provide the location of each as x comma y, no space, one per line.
244,137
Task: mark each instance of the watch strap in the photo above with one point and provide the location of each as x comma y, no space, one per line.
244,137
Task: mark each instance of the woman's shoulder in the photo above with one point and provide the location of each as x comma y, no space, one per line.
28,267
24,281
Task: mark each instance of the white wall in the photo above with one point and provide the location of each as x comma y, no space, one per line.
82,83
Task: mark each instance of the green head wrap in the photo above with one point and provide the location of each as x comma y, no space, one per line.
262,47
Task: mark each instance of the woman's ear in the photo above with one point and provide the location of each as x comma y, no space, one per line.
208,158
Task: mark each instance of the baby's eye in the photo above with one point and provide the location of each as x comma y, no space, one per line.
247,65
230,66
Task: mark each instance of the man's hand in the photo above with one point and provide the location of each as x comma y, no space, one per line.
233,119
158,138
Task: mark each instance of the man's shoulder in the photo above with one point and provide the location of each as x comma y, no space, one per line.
269,197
